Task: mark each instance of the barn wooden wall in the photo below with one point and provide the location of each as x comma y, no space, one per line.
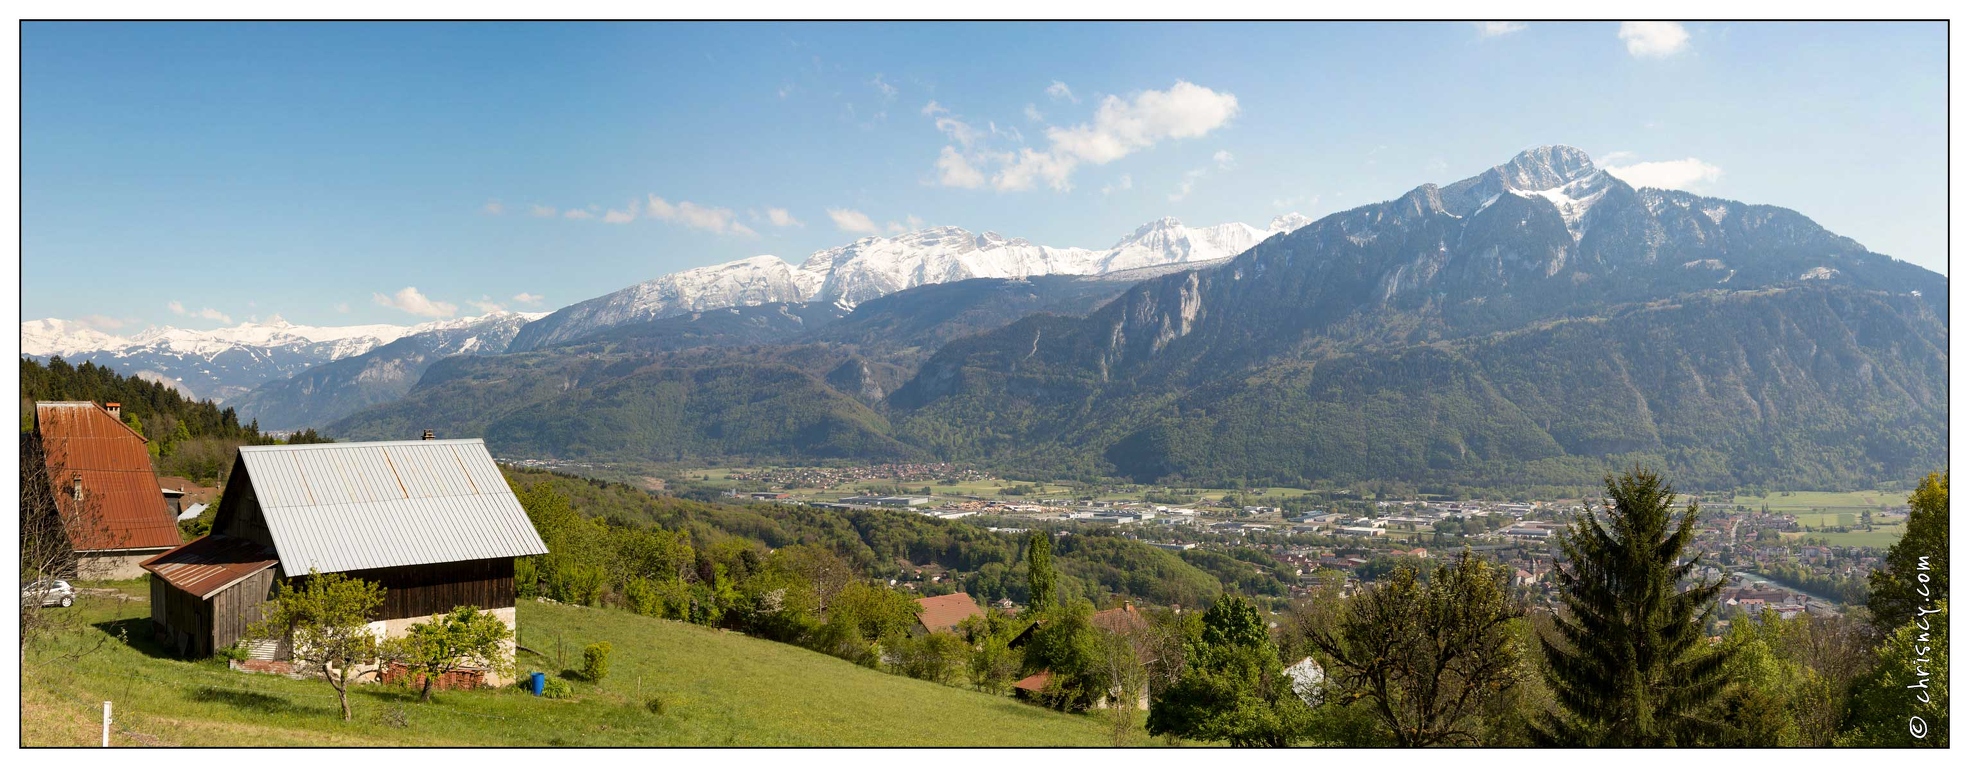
422,590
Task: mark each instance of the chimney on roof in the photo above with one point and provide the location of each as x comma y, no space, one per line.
115,409
76,488
430,435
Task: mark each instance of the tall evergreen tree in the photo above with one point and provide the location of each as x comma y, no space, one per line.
1629,667
1916,575
1041,581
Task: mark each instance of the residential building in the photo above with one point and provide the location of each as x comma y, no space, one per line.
104,487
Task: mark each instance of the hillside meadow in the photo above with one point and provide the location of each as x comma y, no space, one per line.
719,689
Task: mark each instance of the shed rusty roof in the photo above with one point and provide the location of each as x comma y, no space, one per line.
122,503
354,506
944,612
210,564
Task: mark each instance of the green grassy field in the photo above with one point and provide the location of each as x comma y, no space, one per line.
1882,536
721,688
1825,501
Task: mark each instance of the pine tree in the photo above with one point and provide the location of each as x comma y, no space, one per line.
1040,579
1630,667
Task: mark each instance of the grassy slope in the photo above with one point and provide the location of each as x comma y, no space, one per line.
722,689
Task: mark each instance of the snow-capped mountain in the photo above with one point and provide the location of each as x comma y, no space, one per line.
223,362
878,266
334,389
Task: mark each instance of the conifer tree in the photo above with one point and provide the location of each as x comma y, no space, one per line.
1630,667
1040,579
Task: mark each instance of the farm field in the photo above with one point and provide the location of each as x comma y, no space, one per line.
1826,501
720,688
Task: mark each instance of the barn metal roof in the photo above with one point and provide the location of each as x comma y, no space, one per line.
354,506
120,490
209,564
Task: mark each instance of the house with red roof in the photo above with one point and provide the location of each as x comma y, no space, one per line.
104,486
944,612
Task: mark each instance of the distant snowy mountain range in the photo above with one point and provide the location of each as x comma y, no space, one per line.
226,363
873,267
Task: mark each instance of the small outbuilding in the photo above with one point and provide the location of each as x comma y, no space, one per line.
432,521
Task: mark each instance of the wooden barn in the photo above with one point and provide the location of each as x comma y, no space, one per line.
432,521
104,486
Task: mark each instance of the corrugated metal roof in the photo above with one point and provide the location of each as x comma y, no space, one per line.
352,506
210,564
120,490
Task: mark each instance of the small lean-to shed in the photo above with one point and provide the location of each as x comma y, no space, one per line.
204,595
432,521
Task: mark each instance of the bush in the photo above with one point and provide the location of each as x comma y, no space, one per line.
594,661
557,688
231,653
656,705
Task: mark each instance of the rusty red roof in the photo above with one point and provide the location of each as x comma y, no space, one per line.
210,564
1122,621
944,612
120,494
1036,682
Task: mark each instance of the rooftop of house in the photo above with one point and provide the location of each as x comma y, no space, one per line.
944,612
100,469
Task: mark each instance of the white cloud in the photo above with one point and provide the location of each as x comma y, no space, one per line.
1654,39
528,298
955,171
785,90
101,322
621,217
543,211
578,214
888,91
206,313
415,302
908,224
780,218
1620,157
342,307
1122,184
1120,127
1060,92
719,220
486,305
1189,182
1498,28
1224,160
494,207
1685,174
853,221
1033,113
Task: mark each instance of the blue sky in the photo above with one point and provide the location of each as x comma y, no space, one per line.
196,174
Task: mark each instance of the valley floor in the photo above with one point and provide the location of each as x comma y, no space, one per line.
720,689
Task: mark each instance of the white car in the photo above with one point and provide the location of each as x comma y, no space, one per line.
52,592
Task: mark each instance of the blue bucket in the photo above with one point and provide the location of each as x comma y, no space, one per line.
538,684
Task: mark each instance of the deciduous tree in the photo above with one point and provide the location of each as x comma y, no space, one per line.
1916,575
326,620
464,638
1426,657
